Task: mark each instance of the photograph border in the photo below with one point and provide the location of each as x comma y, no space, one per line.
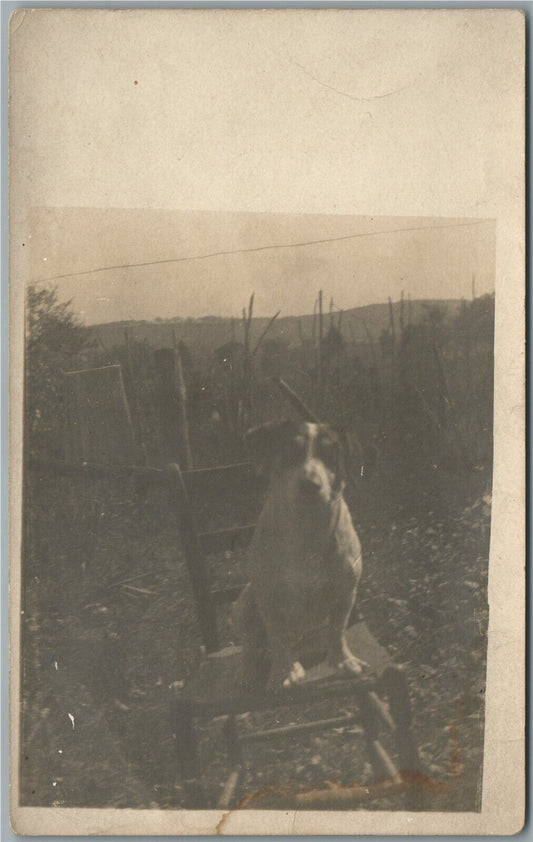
7,8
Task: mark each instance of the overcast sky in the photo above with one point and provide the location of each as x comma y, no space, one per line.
276,128
216,260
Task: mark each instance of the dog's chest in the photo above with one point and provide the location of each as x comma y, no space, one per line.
290,544
298,599
296,560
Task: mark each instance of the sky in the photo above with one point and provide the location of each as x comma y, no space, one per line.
258,129
118,264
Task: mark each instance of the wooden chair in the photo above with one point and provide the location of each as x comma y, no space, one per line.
213,691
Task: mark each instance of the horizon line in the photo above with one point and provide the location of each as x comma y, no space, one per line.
170,319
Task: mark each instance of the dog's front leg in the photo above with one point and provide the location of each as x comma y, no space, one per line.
250,630
339,656
285,669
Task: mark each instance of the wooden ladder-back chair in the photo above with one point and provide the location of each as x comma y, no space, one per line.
213,690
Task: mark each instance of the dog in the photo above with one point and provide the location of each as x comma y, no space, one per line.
305,557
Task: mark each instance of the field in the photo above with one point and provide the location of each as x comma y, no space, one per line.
109,623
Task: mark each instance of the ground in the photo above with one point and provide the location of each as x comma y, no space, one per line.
109,626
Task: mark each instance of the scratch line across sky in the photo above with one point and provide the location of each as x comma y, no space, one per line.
262,248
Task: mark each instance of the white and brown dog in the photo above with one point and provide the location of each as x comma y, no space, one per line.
305,556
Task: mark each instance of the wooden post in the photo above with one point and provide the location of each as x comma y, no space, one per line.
247,376
392,326
165,403
194,559
339,348
320,346
134,396
445,402
402,350
377,379
393,350
170,399
182,409
372,354
315,350
181,392
467,337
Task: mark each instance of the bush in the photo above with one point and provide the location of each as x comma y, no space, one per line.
55,340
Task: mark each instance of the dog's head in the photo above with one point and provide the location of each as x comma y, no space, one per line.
311,458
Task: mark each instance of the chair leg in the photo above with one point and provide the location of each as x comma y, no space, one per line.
232,741
231,786
394,683
382,764
187,755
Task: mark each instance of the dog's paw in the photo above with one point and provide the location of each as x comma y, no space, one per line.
346,664
279,680
296,675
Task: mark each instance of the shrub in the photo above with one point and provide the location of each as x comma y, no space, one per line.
55,339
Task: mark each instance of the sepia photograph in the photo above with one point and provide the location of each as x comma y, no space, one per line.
259,456
351,444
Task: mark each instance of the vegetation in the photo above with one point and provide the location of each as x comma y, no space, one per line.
55,341
109,621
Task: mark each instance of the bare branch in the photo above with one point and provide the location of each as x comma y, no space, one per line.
251,308
246,328
267,328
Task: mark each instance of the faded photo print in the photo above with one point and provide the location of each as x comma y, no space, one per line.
267,421
318,452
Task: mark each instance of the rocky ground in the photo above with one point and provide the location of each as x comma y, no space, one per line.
109,625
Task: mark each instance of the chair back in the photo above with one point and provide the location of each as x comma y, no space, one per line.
207,498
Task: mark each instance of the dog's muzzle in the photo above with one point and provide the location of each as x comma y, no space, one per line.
310,486
313,483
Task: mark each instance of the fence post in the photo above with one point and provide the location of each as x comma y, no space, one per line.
194,559
377,378
170,400
393,351
320,349
182,410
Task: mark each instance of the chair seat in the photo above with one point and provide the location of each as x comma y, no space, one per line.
214,689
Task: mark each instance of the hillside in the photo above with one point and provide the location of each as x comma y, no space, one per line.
205,334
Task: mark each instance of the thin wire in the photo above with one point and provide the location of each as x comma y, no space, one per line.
263,248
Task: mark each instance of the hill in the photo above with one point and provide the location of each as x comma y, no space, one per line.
204,335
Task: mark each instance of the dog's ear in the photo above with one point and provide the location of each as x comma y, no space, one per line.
265,442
